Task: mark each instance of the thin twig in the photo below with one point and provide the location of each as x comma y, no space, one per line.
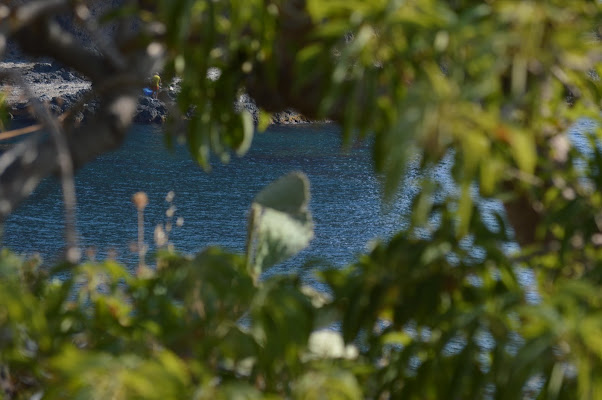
250,248
140,200
141,252
28,129
19,132
6,386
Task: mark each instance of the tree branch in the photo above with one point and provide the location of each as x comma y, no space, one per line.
25,165
48,39
65,165
117,84
28,13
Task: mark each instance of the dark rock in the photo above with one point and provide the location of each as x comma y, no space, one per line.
20,111
150,110
147,101
68,76
55,109
145,115
247,103
43,68
22,106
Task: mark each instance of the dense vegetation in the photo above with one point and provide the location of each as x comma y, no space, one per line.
437,311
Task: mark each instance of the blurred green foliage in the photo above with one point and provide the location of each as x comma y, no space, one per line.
438,311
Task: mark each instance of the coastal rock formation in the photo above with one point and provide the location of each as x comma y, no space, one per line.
61,90
150,111
281,118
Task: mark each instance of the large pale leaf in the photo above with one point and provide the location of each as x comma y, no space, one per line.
283,225
289,194
280,236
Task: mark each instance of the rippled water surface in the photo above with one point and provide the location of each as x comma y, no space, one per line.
345,203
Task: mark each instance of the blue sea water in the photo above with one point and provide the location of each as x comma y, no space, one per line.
345,202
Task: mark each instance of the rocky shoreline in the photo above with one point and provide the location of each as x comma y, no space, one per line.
62,89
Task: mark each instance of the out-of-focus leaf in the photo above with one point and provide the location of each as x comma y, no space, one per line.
326,343
283,320
289,194
282,225
102,375
396,338
524,150
489,176
265,119
280,236
247,127
335,385
465,207
231,391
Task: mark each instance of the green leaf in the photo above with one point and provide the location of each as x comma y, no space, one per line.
465,207
281,225
330,384
230,390
247,128
289,194
397,338
524,150
280,236
265,119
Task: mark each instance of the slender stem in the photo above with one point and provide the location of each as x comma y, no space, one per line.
21,131
253,215
140,238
